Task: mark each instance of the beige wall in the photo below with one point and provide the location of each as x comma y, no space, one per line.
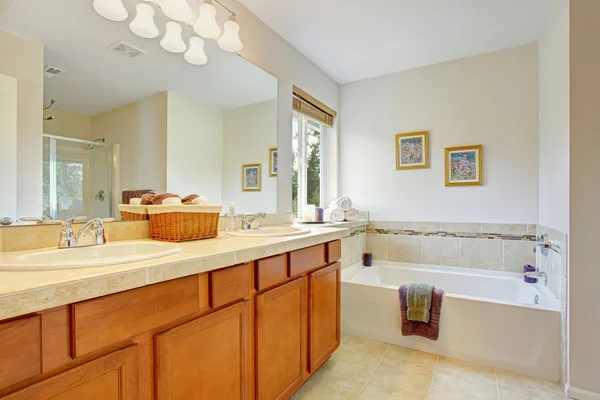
489,99
248,134
68,124
24,60
194,148
8,146
271,52
554,118
141,130
584,198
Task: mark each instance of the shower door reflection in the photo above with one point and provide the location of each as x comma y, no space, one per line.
76,178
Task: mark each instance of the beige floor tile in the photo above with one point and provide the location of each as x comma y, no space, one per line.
466,371
451,387
325,385
342,337
352,365
371,392
536,388
406,380
413,357
510,395
367,346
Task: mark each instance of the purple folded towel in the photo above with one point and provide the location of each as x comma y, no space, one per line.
412,328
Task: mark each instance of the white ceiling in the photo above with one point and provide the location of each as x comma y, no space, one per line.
358,39
96,80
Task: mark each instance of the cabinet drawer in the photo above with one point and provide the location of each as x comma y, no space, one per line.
101,322
20,350
334,251
229,284
307,259
271,271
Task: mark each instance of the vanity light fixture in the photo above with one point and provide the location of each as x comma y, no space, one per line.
195,54
111,9
178,10
172,41
230,41
143,24
206,25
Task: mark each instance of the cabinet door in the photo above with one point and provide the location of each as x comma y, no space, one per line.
324,314
281,340
208,358
112,377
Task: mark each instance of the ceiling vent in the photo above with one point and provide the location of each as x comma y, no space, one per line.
51,72
126,50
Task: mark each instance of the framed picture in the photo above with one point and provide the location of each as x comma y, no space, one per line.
412,150
464,165
273,162
251,178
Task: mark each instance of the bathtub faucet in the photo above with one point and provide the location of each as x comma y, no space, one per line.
539,275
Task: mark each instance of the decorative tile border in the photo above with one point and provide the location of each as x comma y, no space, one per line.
358,231
463,235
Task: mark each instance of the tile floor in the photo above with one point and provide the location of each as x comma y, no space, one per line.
364,369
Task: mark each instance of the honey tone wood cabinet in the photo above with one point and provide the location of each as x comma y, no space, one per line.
208,358
112,377
281,340
324,314
255,331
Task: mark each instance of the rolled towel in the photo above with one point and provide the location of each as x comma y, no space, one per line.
352,215
335,215
190,198
159,198
344,203
147,199
135,201
171,201
202,200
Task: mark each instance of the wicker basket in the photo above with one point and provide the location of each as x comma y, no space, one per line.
182,223
133,213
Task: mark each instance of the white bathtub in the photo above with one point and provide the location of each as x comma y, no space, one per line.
488,317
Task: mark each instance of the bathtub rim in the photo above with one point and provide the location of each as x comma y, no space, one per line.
552,306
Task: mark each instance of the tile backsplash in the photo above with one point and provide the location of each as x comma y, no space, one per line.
504,247
32,237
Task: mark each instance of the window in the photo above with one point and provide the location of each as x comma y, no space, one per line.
307,162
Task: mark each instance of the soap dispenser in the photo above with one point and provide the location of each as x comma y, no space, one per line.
233,223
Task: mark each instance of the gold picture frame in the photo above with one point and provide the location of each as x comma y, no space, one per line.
273,158
463,165
412,150
252,178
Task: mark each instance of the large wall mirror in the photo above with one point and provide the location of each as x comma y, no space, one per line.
124,115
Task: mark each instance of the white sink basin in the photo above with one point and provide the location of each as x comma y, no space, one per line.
82,257
272,231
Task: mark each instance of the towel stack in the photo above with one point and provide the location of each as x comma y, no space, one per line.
341,210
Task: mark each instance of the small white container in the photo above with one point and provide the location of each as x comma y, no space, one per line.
308,212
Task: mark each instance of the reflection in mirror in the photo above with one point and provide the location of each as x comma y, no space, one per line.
122,116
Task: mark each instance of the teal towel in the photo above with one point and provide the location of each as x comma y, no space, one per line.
419,302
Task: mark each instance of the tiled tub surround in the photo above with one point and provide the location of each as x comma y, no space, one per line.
486,316
556,266
353,247
502,247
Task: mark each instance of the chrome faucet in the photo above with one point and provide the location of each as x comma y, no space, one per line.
544,244
68,239
539,275
247,223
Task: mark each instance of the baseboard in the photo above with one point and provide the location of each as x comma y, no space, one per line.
581,394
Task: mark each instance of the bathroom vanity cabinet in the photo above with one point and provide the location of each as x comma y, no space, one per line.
253,331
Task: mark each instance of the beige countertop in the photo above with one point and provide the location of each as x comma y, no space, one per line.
23,292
